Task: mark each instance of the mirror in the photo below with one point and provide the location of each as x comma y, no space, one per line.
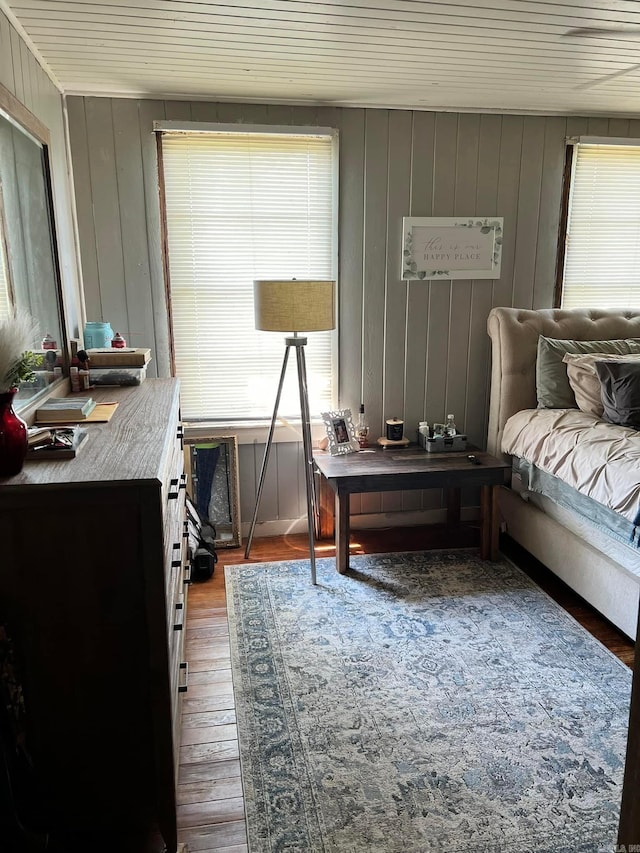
214,484
29,270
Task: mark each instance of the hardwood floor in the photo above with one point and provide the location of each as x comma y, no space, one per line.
210,810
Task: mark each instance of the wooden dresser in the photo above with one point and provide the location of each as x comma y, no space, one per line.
93,589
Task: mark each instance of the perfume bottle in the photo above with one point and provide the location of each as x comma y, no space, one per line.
362,429
450,428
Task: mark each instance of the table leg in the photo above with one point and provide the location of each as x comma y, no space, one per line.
495,521
489,522
342,532
325,509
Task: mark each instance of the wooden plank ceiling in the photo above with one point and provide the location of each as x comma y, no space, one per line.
568,56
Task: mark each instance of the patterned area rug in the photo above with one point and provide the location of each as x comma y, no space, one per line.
423,702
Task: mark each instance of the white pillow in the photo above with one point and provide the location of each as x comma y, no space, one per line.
584,381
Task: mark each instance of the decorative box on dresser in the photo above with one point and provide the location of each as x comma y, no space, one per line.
93,590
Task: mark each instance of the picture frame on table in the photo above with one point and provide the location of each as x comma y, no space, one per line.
341,432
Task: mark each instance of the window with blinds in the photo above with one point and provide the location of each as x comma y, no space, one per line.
602,253
5,291
5,302
242,206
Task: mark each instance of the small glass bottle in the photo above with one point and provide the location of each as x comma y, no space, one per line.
362,429
74,376
450,428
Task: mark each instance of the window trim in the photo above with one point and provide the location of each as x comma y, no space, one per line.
571,143
284,427
238,127
561,251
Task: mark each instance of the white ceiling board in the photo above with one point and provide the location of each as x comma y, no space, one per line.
511,55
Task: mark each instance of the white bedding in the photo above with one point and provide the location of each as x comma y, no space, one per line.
599,459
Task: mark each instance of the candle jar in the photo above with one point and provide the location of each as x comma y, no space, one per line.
395,428
97,335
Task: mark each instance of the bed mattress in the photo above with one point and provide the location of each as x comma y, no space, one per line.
625,553
598,461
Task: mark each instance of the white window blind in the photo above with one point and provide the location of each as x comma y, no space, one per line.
242,206
4,286
602,261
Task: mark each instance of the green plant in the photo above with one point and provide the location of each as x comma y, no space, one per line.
17,361
23,369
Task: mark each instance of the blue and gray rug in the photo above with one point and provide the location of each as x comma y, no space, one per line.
424,702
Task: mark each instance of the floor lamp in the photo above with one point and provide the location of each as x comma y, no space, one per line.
293,306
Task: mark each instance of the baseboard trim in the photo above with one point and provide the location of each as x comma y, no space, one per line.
365,521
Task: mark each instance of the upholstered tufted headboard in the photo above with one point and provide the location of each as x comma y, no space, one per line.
514,336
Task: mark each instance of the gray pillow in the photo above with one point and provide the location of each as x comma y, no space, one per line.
620,391
552,383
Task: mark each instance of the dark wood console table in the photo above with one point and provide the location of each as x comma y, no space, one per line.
377,470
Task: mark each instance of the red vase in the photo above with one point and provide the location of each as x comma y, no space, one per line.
13,436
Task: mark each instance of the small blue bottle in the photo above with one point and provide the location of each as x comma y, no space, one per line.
97,335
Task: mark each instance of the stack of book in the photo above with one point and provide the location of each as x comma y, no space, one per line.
123,357
64,410
123,366
55,443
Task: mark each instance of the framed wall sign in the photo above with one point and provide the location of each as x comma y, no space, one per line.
451,247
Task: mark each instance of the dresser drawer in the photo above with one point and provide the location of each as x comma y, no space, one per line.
178,668
174,535
174,508
174,584
176,639
174,482
178,696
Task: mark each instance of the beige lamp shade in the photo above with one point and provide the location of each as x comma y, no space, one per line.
294,306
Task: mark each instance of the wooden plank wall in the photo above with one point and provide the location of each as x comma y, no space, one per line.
24,77
415,350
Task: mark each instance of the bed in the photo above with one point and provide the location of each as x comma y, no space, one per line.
590,542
